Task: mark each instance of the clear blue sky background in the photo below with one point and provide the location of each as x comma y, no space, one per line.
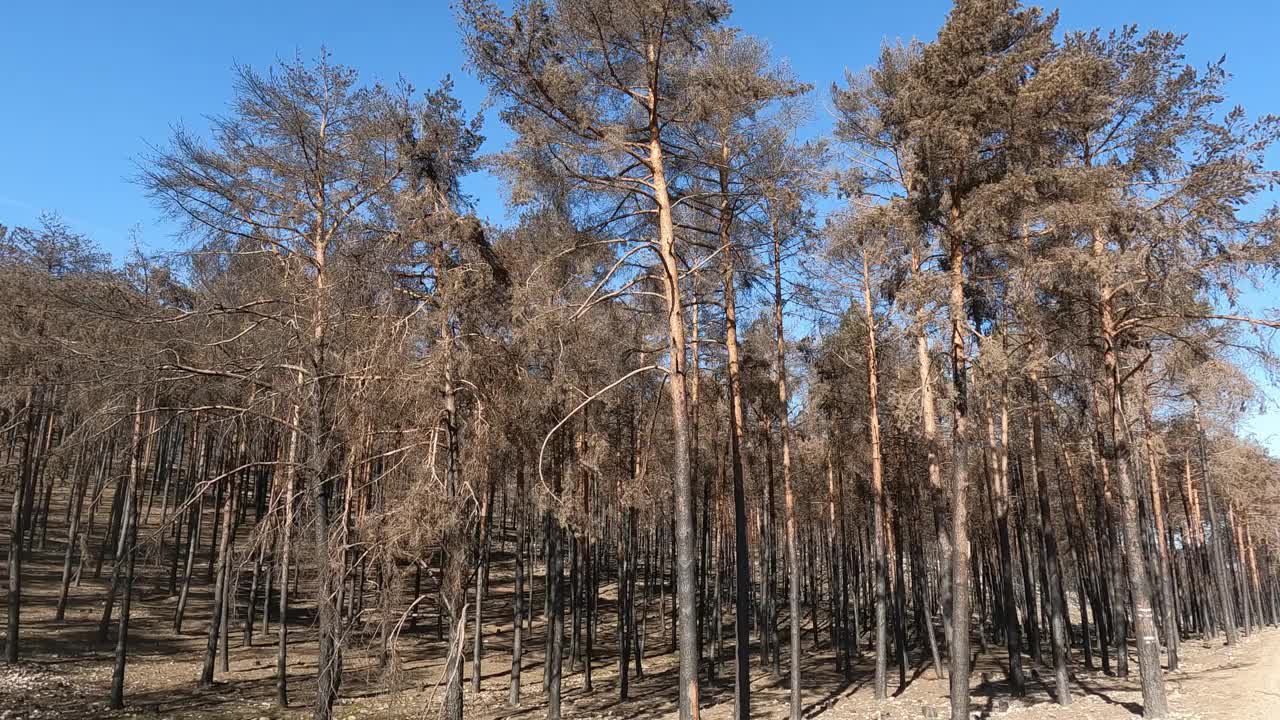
86,85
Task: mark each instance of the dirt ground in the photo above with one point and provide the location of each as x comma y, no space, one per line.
65,673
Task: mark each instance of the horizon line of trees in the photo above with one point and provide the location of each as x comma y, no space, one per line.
994,396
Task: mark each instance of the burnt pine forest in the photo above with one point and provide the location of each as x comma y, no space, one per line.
960,382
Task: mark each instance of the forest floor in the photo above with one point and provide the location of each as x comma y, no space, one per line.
65,671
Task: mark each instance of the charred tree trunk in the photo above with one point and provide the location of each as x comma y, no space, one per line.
482,581
1000,508
130,535
555,621
960,571
879,552
22,487
1154,702
737,443
929,423
78,491
1049,541
517,599
1159,512
1222,582
220,590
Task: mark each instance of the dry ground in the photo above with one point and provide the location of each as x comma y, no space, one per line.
65,674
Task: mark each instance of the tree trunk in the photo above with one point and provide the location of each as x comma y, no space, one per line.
929,422
737,447
587,583
1161,515
1000,508
482,580
788,489
116,701
879,552
517,599
16,520
1049,541
554,635
252,605
193,533
960,571
686,582
1221,581
1153,696
78,491
220,590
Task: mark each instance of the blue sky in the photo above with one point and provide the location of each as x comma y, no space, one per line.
87,85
